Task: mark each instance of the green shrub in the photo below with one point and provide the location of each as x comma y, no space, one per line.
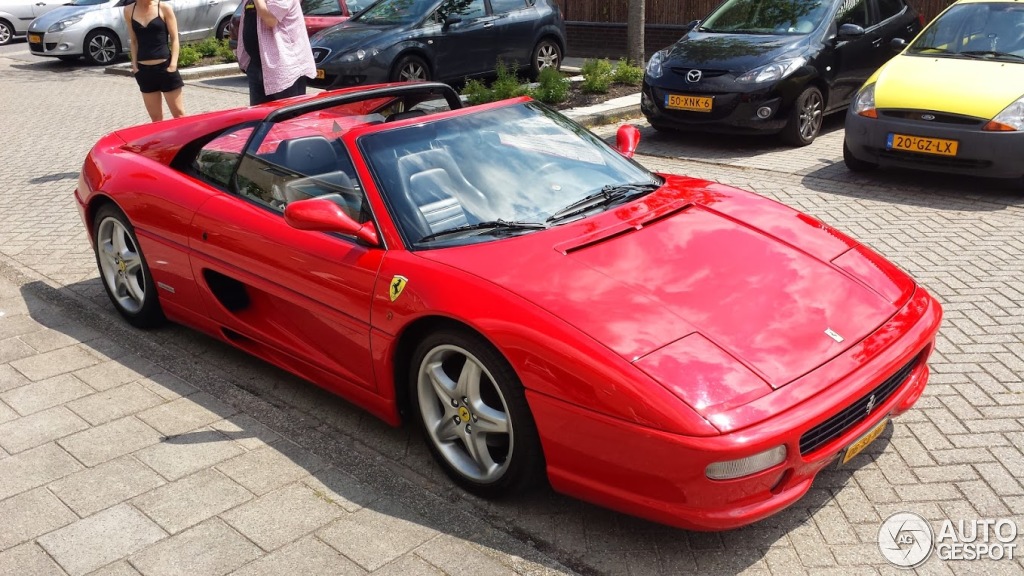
597,76
626,73
553,88
477,93
209,46
507,85
225,52
188,56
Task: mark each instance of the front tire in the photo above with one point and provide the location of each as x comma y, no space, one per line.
410,69
805,118
101,48
222,28
546,54
123,269
472,409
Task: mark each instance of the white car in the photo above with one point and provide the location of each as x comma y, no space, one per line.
15,16
97,31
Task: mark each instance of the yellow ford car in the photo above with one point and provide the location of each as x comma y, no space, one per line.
952,101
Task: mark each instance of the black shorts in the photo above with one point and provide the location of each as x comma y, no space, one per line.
156,78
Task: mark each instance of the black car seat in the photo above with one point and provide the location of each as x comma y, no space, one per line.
433,191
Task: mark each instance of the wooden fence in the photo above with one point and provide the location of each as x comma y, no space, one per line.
669,12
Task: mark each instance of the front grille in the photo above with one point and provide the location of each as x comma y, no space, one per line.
936,117
837,425
703,73
926,160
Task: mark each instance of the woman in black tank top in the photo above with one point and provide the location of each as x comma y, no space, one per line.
154,48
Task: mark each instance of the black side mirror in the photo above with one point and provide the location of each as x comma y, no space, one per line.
897,44
449,20
692,24
850,31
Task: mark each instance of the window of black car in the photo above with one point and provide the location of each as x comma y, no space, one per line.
285,163
889,8
853,12
216,161
766,17
513,166
503,6
395,12
321,8
465,9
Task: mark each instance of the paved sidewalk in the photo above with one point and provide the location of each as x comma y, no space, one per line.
164,452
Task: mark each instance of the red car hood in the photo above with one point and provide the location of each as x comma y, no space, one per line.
749,278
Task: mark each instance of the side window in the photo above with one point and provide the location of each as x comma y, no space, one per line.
503,6
216,161
889,8
277,171
465,9
853,12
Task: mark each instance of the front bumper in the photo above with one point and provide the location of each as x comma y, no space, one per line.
661,476
979,153
341,74
732,112
56,43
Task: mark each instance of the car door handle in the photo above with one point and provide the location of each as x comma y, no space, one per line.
488,24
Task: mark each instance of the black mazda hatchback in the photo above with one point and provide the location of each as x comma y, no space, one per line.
773,66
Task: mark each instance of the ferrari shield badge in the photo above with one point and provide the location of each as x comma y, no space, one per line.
397,285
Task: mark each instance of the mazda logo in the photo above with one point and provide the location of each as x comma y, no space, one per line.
693,76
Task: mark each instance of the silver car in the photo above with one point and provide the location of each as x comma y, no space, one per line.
97,31
15,16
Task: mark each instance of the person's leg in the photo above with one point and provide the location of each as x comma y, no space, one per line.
154,105
175,103
256,91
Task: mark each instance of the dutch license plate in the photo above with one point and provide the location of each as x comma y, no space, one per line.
864,440
691,103
35,38
319,74
921,145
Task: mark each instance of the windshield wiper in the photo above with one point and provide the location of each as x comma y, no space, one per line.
983,54
490,226
606,196
920,49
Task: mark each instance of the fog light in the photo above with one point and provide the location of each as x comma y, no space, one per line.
764,112
746,466
63,46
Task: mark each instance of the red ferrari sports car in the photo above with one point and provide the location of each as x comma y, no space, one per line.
537,302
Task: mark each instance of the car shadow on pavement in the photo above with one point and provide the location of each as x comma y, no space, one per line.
282,439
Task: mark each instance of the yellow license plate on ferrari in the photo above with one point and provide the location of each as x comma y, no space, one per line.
35,38
921,145
862,443
691,103
319,74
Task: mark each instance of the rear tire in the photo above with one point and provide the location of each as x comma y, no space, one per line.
123,269
805,118
222,28
546,54
854,164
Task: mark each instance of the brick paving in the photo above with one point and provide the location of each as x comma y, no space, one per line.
164,452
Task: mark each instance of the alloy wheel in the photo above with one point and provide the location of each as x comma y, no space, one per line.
464,413
121,265
102,49
811,115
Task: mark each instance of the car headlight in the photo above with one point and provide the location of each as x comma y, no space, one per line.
359,55
746,466
57,27
1010,119
772,72
864,102
654,68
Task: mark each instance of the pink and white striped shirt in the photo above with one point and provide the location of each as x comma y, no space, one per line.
284,49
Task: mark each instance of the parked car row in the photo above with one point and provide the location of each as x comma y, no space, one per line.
952,100
96,30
